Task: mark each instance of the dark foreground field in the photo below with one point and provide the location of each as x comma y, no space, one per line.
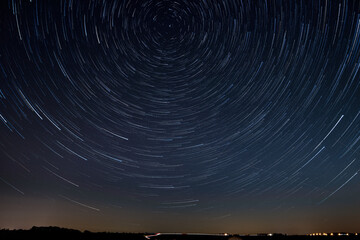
56,233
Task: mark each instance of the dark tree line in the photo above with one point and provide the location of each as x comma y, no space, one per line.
56,233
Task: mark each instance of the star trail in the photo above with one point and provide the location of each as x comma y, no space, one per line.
179,115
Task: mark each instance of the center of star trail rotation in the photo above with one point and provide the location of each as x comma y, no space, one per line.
180,105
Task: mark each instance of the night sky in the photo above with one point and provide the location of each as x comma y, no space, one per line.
180,115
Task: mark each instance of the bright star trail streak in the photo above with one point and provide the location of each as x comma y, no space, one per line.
180,116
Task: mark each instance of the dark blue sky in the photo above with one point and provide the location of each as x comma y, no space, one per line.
188,116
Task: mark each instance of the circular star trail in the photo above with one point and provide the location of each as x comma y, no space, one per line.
180,105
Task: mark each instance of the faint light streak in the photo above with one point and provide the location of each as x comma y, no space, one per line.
12,186
62,178
79,203
329,132
338,188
